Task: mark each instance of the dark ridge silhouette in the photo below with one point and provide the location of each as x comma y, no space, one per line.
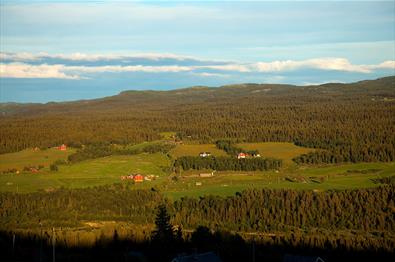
227,246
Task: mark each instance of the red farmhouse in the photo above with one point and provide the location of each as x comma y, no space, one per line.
138,178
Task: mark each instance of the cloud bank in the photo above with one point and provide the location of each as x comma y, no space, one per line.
81,66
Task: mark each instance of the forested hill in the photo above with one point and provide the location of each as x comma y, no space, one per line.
351,122
129,100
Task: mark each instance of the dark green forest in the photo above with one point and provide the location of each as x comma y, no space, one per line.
349,122
226,163
349,219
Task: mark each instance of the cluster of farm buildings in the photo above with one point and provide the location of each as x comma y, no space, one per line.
138,178
240,155
246,155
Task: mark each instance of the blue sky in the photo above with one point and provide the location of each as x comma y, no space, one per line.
67,50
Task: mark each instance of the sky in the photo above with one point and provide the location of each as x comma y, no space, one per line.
71,50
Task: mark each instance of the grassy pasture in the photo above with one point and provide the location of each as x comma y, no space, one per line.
107,170
334,177
101,171
195,149
30,157
279,150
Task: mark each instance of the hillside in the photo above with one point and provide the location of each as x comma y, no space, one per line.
351,122
158,100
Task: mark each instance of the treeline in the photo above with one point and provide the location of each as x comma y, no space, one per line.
351,123
346,153
105,149
231,149
67,207
285,210
228,147
263,210
333,223
227,163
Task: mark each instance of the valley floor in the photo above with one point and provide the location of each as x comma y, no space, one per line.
109,170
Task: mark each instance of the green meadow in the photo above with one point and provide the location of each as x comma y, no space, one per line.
339,177
108,170
195,149
31,157
280,150
100,171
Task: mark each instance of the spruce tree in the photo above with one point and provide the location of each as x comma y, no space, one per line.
163,232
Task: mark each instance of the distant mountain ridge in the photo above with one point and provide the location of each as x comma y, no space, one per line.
155,100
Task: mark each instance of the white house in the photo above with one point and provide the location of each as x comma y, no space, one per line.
205,154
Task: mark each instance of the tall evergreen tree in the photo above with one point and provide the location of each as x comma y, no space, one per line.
163,232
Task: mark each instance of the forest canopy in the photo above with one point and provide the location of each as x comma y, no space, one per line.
349,122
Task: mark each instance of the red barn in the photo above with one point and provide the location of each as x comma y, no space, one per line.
63,147
138,178
241,155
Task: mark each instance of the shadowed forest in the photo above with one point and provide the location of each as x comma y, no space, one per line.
332,224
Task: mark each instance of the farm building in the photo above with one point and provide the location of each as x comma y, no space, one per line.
128,177
62,147
138,178
204,154
241,155
206,174
134,177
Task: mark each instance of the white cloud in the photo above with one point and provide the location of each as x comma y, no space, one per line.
18,57
20,70
390,64
337,64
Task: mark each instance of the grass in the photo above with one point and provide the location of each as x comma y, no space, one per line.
30,157
195,149
335,177
280,150
101,171
107,170
139,146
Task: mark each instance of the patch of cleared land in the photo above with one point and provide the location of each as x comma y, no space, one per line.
101,171
195,149
338,177
108,170
31,157
279,150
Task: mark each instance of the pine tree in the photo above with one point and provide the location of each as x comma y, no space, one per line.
163,232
